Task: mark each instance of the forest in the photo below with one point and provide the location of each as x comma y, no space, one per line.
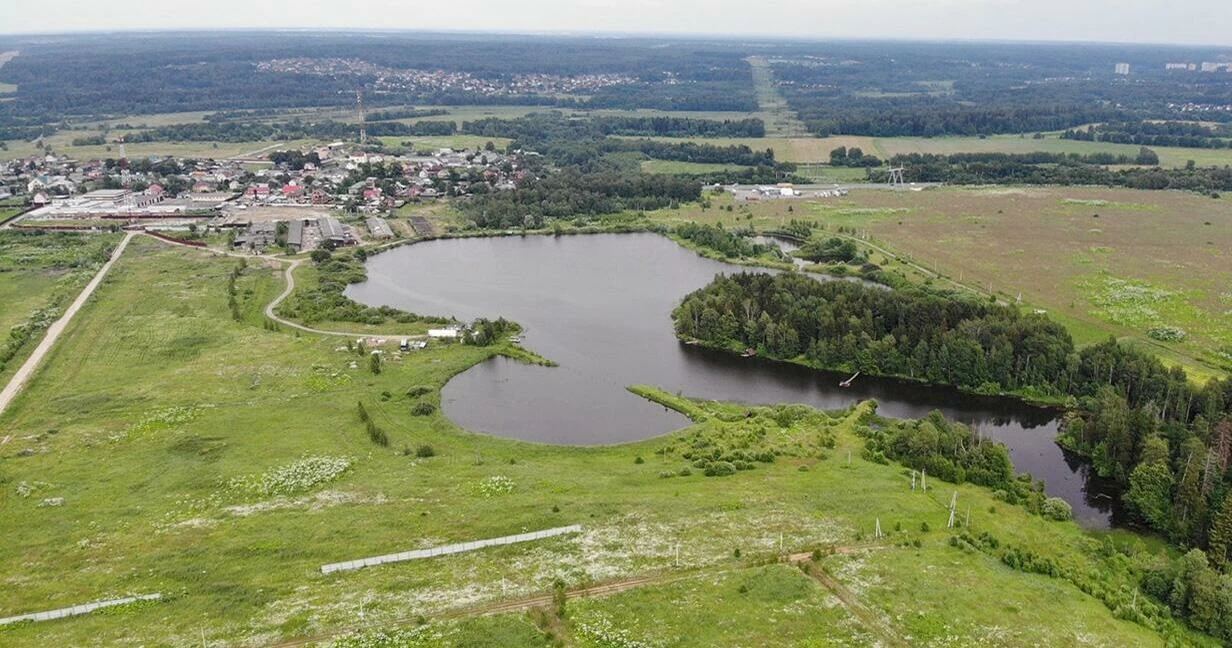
934,89
934,336
572,193
117,75
1166,439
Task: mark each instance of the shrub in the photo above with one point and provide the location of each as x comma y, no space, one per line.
423,451
720,469
418,390
639,460
1055,508
377,435
423,409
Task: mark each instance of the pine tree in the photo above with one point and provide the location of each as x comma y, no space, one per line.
1221,534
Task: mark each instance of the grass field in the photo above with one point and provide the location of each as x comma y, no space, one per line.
39,276
786,149
817,150
61,143
1168,156
447,141
780,119
671,166
1149,259
167,447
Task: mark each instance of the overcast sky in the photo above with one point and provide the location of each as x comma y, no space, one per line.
1147,21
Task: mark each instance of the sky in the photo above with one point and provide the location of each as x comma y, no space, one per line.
1191,22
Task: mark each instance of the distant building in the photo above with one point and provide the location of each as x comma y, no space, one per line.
379,228
295,235
1122,68
333,232
1188,67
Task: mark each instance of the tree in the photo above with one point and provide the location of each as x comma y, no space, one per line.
1221,534
1150,493
374,362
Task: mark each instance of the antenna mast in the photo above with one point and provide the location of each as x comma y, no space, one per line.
363,120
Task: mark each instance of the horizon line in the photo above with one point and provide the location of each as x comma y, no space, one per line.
608,34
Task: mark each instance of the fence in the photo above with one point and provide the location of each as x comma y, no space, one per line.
78,609
446,550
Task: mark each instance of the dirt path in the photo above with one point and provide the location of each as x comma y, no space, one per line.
27,369
868,618
544,600
289,277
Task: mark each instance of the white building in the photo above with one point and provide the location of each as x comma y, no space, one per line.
1122,68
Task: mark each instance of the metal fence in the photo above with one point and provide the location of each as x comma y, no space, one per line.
76,610
446,550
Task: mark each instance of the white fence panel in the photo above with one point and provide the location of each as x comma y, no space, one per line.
445,550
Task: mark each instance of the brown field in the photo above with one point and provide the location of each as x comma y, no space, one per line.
1047,244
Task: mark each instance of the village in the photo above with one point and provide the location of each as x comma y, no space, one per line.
323,196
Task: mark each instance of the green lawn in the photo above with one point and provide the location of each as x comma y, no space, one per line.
167,427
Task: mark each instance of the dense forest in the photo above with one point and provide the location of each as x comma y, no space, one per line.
1057,169
935,89
100,74
572,193
937,337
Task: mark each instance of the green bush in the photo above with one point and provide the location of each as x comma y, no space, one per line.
423,409
423,451
1055,508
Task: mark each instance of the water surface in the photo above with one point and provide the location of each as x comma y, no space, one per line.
600,306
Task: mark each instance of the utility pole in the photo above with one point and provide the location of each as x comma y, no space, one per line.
363,119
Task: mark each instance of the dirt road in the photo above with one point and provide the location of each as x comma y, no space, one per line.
53,332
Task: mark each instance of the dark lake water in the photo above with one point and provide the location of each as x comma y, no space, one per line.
600,306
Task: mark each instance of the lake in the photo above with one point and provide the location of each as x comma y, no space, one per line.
600,306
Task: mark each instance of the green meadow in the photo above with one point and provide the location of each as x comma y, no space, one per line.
171,444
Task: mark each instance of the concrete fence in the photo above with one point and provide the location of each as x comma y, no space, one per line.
446,550
76,610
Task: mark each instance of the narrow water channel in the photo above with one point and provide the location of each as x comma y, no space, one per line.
600,306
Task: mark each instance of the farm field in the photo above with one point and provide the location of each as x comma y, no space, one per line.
169,446
1103,261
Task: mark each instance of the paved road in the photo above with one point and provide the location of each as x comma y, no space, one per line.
53,332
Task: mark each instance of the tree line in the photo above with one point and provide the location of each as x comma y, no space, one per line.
679,126
1057,169
236,131
1153,133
